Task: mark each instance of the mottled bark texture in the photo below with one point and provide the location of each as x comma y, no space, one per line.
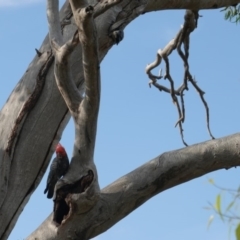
36,104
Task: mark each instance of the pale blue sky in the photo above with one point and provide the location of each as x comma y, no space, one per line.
136,123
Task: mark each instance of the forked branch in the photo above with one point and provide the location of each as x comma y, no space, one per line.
80,185
182,39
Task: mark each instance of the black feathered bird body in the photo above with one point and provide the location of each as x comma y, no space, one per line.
58,168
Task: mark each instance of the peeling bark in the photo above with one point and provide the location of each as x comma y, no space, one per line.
30,103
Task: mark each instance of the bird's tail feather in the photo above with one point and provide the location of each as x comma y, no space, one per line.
50,193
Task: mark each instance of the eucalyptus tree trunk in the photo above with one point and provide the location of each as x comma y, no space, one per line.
83,35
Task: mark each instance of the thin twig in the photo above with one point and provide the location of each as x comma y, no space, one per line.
201,94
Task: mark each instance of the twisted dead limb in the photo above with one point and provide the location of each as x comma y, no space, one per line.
182,38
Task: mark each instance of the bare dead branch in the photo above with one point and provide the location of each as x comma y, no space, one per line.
151,66
88,39
174,98
55,32
201,94
38,52
84,110
63,75
182,38
132,190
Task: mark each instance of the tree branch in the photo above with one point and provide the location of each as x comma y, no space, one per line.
182,38
63,74
130,191
192,4
80,185
54,25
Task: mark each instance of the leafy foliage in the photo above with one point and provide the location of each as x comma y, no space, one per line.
227,211
237,231
232,13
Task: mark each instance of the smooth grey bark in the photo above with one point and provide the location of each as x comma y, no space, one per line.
36,104
130,191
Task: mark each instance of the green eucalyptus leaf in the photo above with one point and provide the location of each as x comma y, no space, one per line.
210,220
237,232
218,206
